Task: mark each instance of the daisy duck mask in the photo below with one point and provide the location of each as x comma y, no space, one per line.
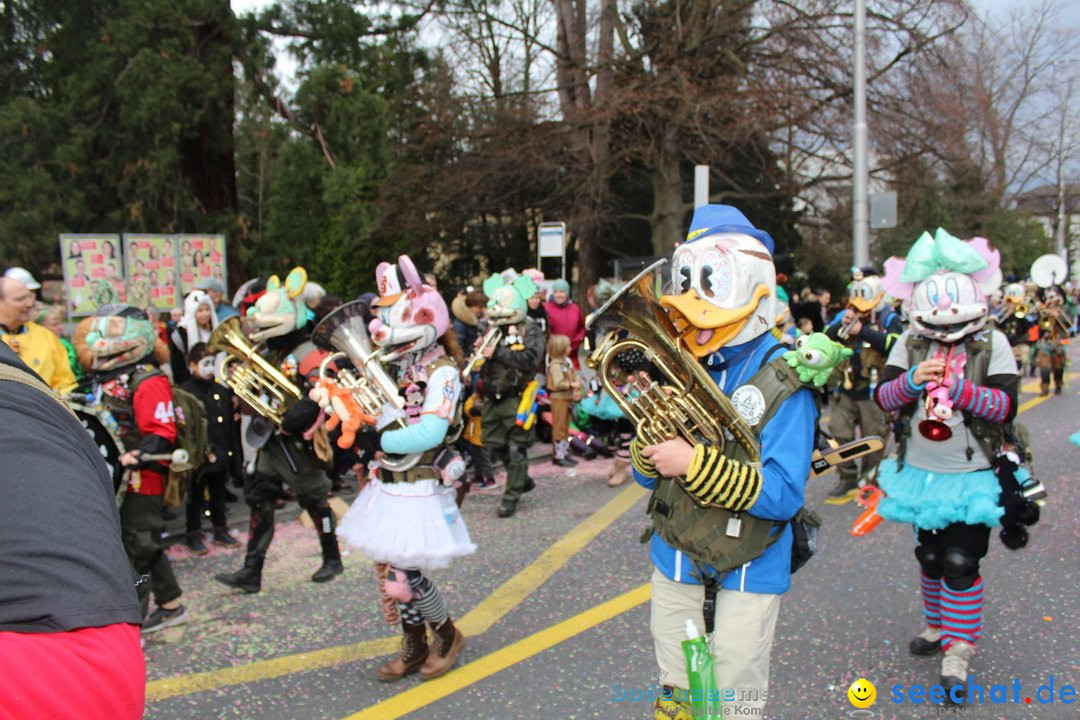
409,315
724,281
944,282
508,301
281,309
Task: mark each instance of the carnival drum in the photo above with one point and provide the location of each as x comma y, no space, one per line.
108,443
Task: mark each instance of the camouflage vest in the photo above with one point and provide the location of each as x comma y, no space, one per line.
701,533
990,436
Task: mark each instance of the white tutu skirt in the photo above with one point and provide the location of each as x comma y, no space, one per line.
409,525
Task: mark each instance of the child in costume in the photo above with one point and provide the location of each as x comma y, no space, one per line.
407,521
564,389
952,379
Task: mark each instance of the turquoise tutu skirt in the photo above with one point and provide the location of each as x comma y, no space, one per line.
934,500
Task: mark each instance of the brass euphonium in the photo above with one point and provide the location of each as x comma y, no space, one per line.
689,404
344,330
253,379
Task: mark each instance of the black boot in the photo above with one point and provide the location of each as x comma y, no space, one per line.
324,524
261,532
247,578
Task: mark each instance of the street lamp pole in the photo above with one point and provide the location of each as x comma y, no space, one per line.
860,201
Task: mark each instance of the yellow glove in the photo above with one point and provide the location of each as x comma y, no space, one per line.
718,480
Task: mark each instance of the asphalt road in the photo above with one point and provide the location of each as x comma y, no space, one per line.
555,604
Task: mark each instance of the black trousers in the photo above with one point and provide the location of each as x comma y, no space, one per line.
210,483
141,525
953,553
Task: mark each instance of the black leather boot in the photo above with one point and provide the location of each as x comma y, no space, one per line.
247,578
260,533
331,566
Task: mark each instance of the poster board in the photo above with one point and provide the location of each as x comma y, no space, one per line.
154,258
85,259
201,257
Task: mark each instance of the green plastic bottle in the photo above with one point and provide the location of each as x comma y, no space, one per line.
704,695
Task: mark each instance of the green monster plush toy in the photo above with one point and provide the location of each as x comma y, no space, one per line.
815,356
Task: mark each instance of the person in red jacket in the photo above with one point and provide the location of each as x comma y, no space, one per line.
565,318
131,390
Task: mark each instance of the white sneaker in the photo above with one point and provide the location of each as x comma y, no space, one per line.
954,666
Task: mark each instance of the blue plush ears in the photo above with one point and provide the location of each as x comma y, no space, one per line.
295,281
293,286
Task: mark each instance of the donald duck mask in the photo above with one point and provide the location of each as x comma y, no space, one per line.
724,281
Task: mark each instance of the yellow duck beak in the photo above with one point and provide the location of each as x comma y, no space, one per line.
704,327
865,306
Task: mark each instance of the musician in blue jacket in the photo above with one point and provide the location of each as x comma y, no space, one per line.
724,308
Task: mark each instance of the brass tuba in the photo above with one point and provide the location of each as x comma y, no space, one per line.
254,379
344,331
689,405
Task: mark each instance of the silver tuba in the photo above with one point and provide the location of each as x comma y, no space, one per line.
345,332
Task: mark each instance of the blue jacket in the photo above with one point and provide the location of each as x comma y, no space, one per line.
787,442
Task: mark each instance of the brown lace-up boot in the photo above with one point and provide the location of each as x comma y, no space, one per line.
449,642
414,654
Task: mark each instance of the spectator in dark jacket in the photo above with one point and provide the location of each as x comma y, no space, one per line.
69,615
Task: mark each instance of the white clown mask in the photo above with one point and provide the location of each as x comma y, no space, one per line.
944,282
947,306
726,291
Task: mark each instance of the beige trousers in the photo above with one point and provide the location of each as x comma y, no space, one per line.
741,642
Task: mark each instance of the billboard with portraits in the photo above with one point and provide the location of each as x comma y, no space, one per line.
153,258
201,257
86,259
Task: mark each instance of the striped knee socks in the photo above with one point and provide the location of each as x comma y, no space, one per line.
961,614
931,597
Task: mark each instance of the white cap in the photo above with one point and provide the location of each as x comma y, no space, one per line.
22,275
691,630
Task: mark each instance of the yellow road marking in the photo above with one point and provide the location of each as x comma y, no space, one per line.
477,621
1033,386
513,591
426,693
